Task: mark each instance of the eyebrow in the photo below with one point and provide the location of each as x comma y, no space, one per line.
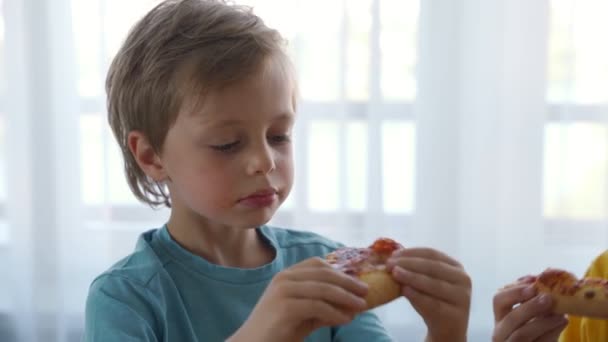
285,116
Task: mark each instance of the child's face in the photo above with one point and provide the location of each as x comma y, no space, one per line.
230,161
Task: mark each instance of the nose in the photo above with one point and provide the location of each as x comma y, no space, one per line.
261,160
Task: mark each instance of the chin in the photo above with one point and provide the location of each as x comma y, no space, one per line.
259,219
260,222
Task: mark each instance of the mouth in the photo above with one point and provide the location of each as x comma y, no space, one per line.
261,194
260,198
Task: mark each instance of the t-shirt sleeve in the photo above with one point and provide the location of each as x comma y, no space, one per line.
113,315
365,327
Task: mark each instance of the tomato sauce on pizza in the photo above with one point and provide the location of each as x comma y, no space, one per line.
369,265
571,295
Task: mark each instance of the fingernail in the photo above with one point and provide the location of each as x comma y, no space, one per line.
361,302
402,273
362,285
398,271
544,299
559,320
396,253
529,291
390,262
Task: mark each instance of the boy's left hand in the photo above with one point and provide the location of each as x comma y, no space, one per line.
438,288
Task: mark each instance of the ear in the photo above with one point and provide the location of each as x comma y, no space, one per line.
145,156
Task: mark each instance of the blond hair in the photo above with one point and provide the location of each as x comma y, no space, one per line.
180,48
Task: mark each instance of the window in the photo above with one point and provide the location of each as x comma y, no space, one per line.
4,232
576,136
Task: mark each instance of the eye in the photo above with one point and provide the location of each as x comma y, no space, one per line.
278,139
226,147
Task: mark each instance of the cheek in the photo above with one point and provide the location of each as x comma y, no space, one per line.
214,175
284,161
210,189
285,170
206,177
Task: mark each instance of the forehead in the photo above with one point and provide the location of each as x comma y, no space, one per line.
268,92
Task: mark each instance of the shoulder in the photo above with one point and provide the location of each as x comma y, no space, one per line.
603,256
599,266
132,273
117,307
125,298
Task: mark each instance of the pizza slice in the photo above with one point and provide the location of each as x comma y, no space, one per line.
578,297
369,265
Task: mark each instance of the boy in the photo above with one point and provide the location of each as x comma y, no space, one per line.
201,99
532,320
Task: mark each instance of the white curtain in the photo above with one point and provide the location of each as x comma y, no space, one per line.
477,127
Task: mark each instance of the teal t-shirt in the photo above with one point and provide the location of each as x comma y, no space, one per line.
162,292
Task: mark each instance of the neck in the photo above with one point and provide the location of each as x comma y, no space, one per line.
220,244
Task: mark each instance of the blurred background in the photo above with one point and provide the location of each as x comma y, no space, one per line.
479,127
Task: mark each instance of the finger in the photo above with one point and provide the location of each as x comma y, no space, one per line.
553,335
527,279
319,313
425,304
331,276
504,300
542,327
431,268
426,253
436,288
539,306
328,293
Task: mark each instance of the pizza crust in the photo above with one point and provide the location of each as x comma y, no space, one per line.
580,306
578,297
382,288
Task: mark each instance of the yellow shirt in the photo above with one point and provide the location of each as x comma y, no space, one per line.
582,329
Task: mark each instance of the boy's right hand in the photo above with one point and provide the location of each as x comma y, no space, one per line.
522,315
301,299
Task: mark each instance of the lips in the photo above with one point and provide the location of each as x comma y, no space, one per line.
259,199
263,193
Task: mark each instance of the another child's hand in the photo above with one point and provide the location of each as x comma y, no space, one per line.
438,288
521,315
301,299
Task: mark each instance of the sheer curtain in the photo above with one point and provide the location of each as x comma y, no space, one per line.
477,127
